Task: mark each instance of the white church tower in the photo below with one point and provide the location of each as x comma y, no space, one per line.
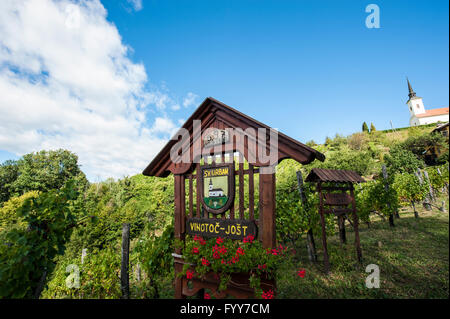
420,116
414,102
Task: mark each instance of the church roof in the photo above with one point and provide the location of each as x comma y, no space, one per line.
434,112
411,94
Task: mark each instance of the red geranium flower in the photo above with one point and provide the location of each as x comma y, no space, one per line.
189,274
240,251
206,296
234,259
301,273
249,239
205,262
219,240
195,250
260,267
267,294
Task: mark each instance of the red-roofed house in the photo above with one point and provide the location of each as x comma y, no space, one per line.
420,116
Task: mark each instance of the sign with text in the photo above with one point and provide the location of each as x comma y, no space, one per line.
337,199
225,228
215,137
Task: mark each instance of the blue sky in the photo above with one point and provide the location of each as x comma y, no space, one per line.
309,68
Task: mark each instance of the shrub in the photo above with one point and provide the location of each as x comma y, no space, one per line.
26,255
400,160
99,277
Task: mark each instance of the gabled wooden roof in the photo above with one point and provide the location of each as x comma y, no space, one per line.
333,175
214,113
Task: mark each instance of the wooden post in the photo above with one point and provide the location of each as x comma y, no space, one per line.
267,206
430,189
179,218
426,204
442,208
386,187
241,186
40,285
251,192
446,184
124,277
310,244
138,272
83,255
326,262
341,224
355,225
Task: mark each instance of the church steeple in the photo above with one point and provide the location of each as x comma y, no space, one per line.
415,104
411,91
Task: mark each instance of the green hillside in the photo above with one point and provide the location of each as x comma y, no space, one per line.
50,213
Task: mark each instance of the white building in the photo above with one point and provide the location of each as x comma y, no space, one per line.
420,116
215,192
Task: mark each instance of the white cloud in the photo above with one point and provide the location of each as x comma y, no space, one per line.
164,125
137,4
190,99
66,81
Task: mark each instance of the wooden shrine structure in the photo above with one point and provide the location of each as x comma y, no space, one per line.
332,186
211,151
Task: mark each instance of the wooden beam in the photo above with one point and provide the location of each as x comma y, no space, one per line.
191,199
355,227
267,207
198,189
251,192
179,208
241,187
179,211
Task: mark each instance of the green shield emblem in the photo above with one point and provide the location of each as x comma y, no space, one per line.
217,187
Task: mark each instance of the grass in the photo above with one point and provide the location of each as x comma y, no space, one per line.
413,259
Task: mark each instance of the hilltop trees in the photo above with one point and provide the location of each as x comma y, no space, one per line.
365,128
40,171
9,172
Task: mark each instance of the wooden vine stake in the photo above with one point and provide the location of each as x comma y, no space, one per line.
386,187
310,244
124,277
